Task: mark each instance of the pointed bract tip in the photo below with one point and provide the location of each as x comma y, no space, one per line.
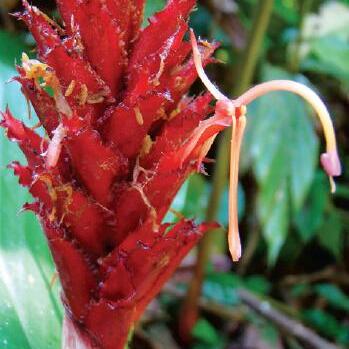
5,117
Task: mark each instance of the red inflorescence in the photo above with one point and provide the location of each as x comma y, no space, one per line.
122,138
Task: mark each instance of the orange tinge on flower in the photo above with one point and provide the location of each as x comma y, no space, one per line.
236,110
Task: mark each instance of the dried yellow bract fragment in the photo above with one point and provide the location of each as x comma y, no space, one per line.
147,144
139,116
83,95
70,88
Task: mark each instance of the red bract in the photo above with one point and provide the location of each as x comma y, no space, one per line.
111,98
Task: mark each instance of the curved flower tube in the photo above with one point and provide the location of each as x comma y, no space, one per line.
236,110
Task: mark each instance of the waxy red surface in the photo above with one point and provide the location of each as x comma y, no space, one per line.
121,164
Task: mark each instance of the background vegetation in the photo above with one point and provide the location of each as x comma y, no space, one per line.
295,234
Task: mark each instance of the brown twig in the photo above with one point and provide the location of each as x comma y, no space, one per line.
290,326
265,308
330,273
219,310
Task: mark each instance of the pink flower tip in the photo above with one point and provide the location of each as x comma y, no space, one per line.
331,163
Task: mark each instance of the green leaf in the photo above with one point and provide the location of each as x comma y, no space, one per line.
276,221
265,334
339,48
191,199
30,310
150,8
9,54
282,148
223,211
271,335
257,284
300,290
310,218
334,295
330,234
205,332
287,11
221,287
325,48
196,197
334,64
342,191
332,18
327,324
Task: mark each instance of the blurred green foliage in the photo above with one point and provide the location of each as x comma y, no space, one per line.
30,309
285,207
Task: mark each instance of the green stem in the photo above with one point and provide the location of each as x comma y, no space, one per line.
250,56
304,8
249,60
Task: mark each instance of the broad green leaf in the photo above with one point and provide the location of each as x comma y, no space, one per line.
327,324
334,295
202,21
204,25
325,46
271,335
265,335
196,198
338,48
330,235
223,211
150,8
10,53
310,218
282,148
334,64
276,224
191,199
333,17
221,287
342,191
205,332
301,290
30,310
288,11
257,284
